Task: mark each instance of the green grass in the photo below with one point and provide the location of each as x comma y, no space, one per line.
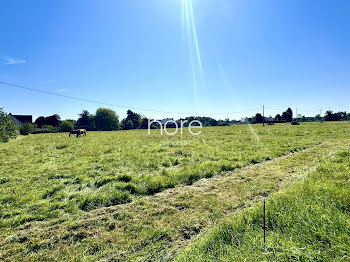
308,222
96,197
47,175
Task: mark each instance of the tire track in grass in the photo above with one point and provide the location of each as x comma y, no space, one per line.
307,221
158,227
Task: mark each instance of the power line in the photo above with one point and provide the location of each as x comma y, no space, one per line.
303,111
120,106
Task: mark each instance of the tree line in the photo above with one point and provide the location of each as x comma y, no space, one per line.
338,116
287,116
106,119
133,121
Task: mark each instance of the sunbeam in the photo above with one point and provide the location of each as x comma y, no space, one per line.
194,31
255,135
183,18
228,85
189,30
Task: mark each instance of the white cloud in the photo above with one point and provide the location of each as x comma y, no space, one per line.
14,61
61,90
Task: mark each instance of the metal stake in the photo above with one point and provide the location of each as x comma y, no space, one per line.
264,199
264,222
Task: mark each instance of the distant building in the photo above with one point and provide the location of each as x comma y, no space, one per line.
274,120
309,119
19,120
163,121
270,119
245,120
236,122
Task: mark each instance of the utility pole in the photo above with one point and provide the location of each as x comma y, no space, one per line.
263,115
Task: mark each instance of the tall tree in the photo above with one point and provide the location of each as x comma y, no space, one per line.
53,120
86,120
258,118
144,123
106,119
83,119
288,115
135,119
40,121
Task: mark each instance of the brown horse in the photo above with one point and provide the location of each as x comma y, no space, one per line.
78,132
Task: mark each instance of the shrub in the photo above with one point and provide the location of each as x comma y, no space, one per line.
294,123
45,129
26,129
66,126
7,127
48,127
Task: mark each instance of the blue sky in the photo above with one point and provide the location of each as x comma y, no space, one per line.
142,54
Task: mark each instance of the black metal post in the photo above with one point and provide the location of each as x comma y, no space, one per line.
264,222
264,199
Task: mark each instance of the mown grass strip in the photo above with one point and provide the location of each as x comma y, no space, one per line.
309,221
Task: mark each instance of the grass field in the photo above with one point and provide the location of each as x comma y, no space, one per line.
128,196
